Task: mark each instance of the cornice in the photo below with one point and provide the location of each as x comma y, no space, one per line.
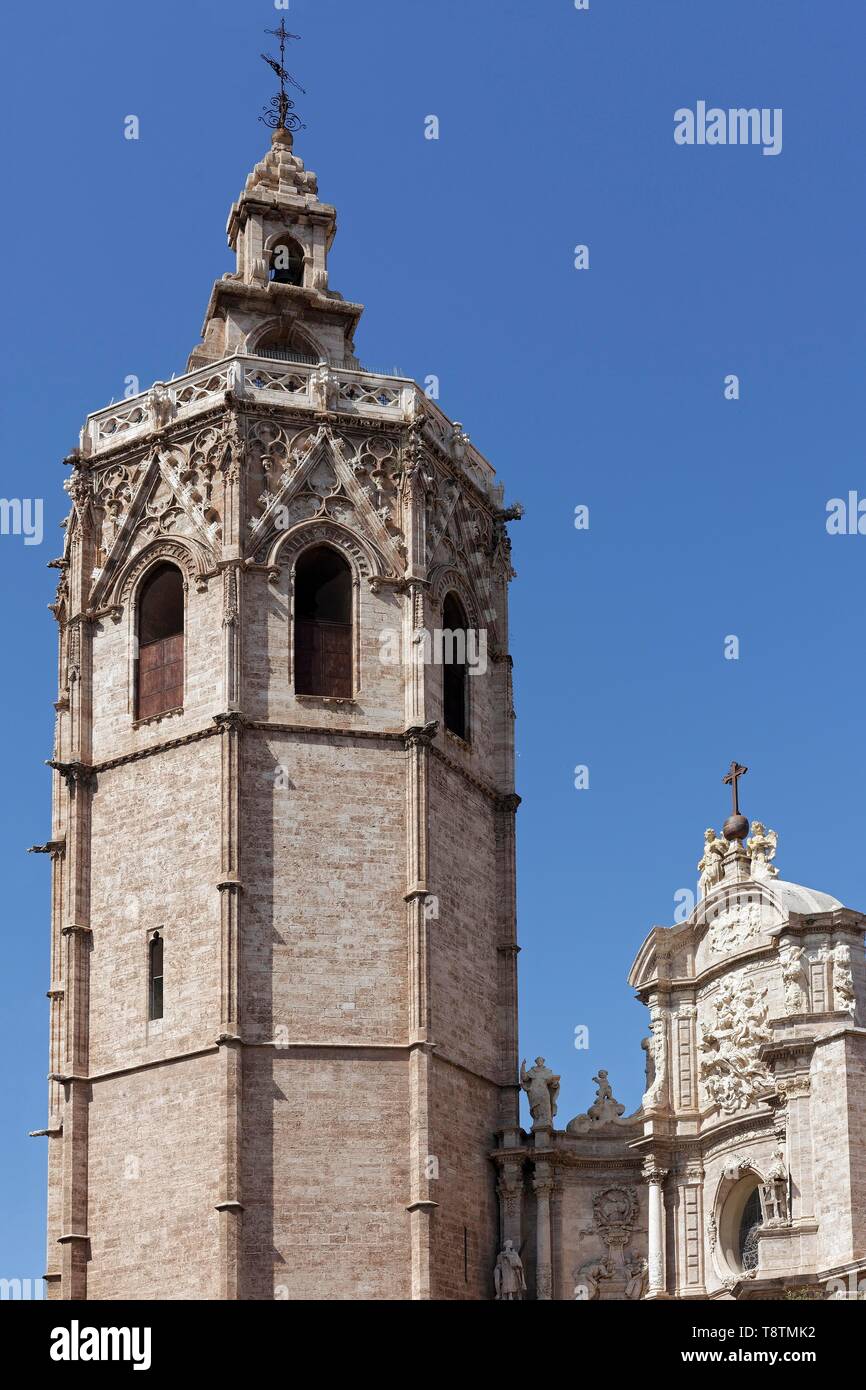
155,748
326,731
662,984
278,297
484,788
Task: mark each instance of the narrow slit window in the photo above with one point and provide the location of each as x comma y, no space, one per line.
454,694
155,964
323,624
160,643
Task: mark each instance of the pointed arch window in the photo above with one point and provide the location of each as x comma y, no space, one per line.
155,951
323,624
287,262
160,642
454,691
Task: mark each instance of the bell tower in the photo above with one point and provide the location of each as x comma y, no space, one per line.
283,993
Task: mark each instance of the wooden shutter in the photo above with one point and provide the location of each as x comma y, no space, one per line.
160,676
323,658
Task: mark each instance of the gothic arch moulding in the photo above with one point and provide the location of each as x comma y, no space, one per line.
190,559
284,327
449,580
365,561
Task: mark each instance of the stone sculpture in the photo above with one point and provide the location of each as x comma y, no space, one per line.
710,865
542,1087
508,1275
762,848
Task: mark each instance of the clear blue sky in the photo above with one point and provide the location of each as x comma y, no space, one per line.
602,387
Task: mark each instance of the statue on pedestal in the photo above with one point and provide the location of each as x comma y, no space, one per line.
762,848
637,1269
508,1276
710,864
542,1087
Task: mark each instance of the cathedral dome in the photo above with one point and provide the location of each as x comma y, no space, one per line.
795,897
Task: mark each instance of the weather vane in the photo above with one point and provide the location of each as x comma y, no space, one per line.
280,112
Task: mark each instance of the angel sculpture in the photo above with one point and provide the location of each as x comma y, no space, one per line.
762,848
710,865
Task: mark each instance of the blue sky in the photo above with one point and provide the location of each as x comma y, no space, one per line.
601,387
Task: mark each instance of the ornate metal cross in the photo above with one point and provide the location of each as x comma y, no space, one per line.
735,772
279,114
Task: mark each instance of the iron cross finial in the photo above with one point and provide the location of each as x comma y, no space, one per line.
735,772
280,112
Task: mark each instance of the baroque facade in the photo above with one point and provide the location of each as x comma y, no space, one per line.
742,1174
283,997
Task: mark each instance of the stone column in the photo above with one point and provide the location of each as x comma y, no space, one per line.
229,1205
75,1048
510,1192
72,764
421,1204
542,1186
54,1130
655,1178
509,1095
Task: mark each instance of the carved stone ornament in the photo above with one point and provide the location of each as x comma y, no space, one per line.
710,863
637,1269
613,1212
735,1166
736,921
843,980
761,848
508,1276
542,1087
731,1071
794,978
778,1172
588,1277
657,1061
605,1110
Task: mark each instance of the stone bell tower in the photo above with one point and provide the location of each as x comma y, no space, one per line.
283,1000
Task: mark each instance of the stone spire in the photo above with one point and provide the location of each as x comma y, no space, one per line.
278,295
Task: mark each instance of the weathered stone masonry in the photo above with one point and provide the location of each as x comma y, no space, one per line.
333,878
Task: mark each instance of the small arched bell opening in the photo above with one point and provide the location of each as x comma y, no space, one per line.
455,702
159,685
323,624
287,262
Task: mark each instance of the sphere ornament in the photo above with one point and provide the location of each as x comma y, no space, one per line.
736,827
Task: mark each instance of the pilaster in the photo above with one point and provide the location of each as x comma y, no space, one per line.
229,1205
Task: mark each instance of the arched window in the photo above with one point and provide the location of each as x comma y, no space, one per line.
288,346
287,262
154,976
323,624
160,642
750,1225
454,694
